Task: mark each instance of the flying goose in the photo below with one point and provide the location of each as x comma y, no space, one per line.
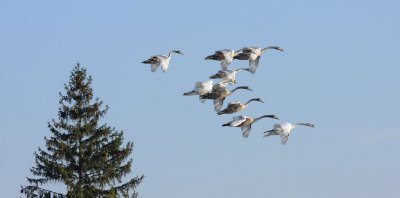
234,107
245,122
218,94
253,54
162,60
225,56
228,76
284,129
200,88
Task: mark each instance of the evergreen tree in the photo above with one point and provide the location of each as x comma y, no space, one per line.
88,157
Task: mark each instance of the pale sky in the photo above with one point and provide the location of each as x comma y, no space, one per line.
340,70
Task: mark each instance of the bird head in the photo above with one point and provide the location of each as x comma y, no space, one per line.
275,117
277,48
178,52
245,87
248,88
258,99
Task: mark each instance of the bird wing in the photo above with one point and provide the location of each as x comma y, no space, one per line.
202,100
154,62
221,86
230,75
203,87
237,120
253,62
285,128
270,132
246,130
284,139
228,58
218,52
233,104
218,104
207,87
164,61
154,67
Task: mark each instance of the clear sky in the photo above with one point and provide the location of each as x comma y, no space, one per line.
340,70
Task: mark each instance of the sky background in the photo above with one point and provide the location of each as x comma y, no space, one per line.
340,71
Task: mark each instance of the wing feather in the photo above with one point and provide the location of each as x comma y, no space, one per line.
237,121
154,67
164,63
253,63
246,130
218,104
284,139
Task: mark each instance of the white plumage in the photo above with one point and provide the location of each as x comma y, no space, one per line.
200,88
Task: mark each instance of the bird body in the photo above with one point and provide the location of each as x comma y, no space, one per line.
219,94
234,107
225,56
253,54
245,122
284,129
228,76
163,60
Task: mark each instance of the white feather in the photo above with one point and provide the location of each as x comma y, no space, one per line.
164,61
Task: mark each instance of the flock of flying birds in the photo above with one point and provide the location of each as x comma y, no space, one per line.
207,90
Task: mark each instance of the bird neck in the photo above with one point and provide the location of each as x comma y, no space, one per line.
251,100
261,117
246,69
170,53
241,87
265,49
303,124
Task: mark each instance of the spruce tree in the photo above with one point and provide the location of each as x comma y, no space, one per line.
85,155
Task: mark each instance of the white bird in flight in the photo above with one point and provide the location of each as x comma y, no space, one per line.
163,60
284,129
225,56
253,54
245,122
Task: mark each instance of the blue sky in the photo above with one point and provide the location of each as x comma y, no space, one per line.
340,70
